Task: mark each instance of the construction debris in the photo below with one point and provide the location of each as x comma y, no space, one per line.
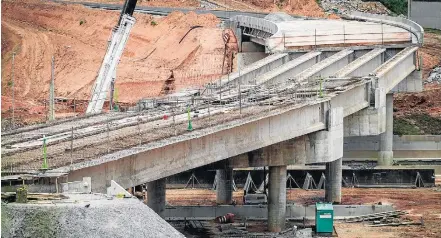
346,6
375,216
435,76
420,223
227,218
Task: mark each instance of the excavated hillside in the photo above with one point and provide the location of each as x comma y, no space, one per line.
77,36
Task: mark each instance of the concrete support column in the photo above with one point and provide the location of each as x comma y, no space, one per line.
333,174
224,186
386,155
277,198
156,196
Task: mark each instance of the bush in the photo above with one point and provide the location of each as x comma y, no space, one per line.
403,127
396,6
153,23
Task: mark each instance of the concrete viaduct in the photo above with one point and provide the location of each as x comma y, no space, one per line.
324,80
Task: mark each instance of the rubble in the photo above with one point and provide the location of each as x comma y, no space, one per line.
346,6
435,76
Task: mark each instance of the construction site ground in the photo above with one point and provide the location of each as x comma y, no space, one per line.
421,202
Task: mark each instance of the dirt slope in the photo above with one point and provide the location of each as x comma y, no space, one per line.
77,37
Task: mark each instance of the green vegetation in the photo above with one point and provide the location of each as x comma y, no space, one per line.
403,127
396,6
82,22
417,124
433,31
153,23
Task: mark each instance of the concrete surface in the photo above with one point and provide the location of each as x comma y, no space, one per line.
84,215
277,198
156,196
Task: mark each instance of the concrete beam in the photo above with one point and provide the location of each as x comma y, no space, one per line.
247,74
412,83
363,65
163,158
397,68
326,67
285,71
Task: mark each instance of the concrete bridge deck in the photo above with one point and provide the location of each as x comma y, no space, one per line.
228,120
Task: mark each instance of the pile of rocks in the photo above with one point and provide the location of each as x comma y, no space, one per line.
346,6
435,76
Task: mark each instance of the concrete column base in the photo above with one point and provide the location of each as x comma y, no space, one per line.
277,198
333,176
224,186
156,196
385,158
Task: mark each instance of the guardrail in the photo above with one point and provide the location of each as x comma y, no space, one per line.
404,23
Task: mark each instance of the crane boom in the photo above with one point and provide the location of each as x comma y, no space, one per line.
107,73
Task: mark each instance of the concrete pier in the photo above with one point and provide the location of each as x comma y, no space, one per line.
224,186
277,198
156,196
386,155
333,174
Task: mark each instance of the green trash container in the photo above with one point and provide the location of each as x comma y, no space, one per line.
324,218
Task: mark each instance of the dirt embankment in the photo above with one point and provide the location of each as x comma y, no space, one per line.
420,113
77,36
153,3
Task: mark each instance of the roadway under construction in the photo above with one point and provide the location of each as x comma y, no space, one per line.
293,107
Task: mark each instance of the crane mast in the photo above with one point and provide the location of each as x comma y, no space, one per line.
107,73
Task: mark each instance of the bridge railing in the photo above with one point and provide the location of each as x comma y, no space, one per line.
409,25
314,39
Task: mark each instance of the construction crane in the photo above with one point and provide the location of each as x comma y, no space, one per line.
107,73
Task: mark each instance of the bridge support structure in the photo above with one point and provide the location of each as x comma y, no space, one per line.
224,186
277,198
156,196
333,174
386,154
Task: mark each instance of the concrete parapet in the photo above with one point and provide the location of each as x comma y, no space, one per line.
413,27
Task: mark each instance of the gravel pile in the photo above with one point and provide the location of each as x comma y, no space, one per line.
346,6
84,215
435,76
